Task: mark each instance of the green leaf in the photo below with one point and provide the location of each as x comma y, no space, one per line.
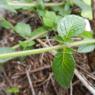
40,7
63,40
87,12
24,30
26,45
38,31
86,34
70,26
49,20
63,67
62,10
59,39
6,24
41,12
40,4
13,90
87,2
5,50
86,48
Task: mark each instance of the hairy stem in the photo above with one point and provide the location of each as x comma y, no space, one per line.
47,49
34,4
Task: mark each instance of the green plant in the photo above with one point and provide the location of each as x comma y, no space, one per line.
69,27
12,90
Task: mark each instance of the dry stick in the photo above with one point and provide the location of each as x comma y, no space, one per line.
35,70
75,83
7,79
71,89
46,80
84,81
17,75
30,82
53,84
87,73
44,44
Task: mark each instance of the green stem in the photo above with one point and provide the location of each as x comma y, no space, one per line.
47,49
83,42
34,4
29,40
29,52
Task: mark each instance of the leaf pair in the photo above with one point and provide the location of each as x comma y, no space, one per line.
23,29
64,64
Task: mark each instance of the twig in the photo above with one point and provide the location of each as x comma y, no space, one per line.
75,83
71,89
33,71
53,84
84,81
47,38
87,73
45,45
7,79
42,43
46,80
30,82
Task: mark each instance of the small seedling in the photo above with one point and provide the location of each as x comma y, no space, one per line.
13,90
63,66
68,27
